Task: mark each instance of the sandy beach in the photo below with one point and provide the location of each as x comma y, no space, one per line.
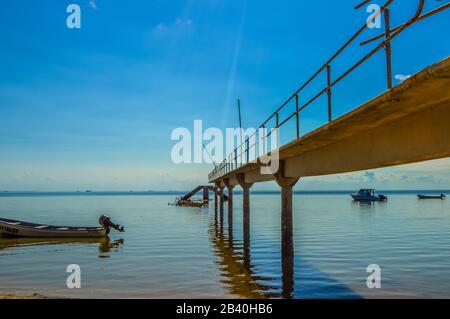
12,296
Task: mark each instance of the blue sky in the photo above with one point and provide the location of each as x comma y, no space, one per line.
94,108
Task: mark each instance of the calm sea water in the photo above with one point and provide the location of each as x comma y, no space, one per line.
175,252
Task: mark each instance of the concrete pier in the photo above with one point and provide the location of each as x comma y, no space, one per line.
407,123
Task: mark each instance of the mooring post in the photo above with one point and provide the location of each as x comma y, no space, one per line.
245,207
287,242
230,187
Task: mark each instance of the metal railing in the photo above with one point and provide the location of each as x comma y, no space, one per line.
241,154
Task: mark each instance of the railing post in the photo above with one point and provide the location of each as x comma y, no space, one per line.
329,92
297,116
241,154
277,119
256,146
264,139
388,48
247,146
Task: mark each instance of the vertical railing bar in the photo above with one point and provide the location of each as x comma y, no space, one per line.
264,139
297,116
388,47
247,150
329,92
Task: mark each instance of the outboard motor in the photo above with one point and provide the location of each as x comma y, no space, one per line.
106,222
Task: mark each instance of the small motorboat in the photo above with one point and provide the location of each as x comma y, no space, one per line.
368,195
16,228
442,196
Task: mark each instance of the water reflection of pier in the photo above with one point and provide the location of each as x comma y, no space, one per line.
234,259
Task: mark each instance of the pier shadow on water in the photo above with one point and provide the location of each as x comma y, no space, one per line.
106,246
253,276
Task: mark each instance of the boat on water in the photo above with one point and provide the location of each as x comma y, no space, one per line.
442,196
368,195
190,202
17,228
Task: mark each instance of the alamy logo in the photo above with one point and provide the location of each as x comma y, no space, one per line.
73,21
374,19
374,279
74,279
238,145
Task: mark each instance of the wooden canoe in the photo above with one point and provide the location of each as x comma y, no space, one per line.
17,228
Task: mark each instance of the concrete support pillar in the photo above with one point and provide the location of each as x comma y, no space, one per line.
246,208
205,194
216,199
230,207
286,184
287,243
286,221
221,188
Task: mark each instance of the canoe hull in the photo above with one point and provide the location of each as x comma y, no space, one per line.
22,229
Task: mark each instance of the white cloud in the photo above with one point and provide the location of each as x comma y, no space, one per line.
177,26
93,4
369,176
183,22
402,77
161,27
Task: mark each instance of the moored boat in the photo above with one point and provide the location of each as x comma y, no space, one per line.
368,195
17,228
442,196
191,203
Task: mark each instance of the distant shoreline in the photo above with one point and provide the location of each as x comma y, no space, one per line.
174,193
